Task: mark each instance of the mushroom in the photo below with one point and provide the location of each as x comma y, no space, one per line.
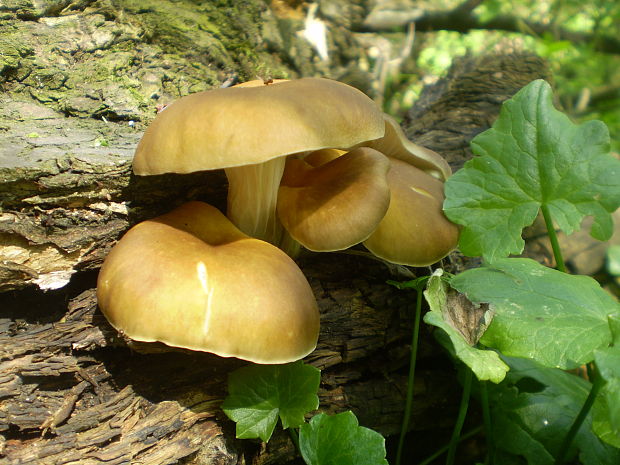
331,201
252,129
415,230
249,130
191,279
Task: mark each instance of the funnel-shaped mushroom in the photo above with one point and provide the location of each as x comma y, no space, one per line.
191,279
249,130
415,230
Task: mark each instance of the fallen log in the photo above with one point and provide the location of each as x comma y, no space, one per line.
73,391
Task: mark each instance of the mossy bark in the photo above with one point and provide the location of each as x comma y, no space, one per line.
81,79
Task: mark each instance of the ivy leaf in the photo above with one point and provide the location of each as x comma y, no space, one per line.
463,323
339,440
259,394
555,318
534,408
532,157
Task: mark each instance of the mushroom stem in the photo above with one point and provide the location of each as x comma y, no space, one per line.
252,199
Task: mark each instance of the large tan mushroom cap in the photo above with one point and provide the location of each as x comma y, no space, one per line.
254,123
415,230
191,279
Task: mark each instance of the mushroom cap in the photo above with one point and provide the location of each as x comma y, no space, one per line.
337,204
415,230
256,122
191,279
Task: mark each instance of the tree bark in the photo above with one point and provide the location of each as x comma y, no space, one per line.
462,19
71,389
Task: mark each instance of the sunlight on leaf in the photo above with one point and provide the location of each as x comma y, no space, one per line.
339,440
613,260
532,156
463,323
259,394
607,405
557,319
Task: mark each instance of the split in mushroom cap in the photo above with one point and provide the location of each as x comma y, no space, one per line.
415,230
248,130
191,279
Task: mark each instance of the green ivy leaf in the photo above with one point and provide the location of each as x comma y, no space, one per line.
339,440
463,323
555,318
258,394
533,156
533,409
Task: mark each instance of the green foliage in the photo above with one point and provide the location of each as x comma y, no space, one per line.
535,158
259,394
452,316
339,440
607,405
532,157
557,319
534,408
586,79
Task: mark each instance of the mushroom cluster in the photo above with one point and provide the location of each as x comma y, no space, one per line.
310,162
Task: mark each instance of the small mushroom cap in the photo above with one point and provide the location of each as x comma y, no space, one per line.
191,279
415,230
336,204
254,123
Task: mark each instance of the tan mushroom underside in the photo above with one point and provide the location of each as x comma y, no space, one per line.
191,279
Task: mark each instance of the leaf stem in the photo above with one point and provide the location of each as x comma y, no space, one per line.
295,439
486,416
555,245
437,454
456,432
411,378
567,443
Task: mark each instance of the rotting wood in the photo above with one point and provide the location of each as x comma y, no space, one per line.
65,201
73,382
